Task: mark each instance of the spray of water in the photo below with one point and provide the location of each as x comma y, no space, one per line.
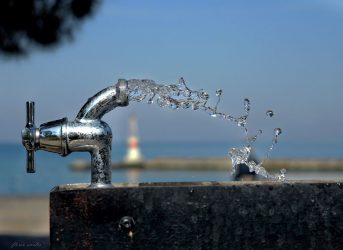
241,156
180,96
176,96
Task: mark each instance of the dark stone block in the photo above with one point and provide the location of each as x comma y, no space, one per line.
254,215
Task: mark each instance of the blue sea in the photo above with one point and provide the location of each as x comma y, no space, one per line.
53,170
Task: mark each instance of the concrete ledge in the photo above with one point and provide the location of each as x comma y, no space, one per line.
254,215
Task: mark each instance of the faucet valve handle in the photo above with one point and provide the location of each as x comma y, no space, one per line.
30,113
30,162
30,136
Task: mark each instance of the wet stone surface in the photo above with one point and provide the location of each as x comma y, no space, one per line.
255,215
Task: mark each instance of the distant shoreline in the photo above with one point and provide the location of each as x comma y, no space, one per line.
151,150
217,164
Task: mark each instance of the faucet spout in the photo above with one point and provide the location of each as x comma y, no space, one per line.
104,101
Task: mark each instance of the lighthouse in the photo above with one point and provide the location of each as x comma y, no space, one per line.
133,154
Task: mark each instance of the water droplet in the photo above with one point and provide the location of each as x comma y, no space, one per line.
254,138
219,92
277,131
282,176
270,113
246,105
161,102
187,93
206,96
198,94
229,117
184,105
182,83
173,105
151,99
242,121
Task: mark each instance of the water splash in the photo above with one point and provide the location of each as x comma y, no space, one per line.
242,155
181,96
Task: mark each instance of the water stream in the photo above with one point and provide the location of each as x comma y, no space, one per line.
176,96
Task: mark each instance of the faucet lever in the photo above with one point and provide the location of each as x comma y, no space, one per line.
30,113
30,165
29,137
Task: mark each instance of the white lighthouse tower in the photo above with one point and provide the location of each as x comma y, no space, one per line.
133,154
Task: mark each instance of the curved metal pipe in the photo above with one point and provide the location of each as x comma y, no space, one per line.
94,137
104,101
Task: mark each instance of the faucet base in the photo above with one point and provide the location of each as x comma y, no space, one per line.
99,185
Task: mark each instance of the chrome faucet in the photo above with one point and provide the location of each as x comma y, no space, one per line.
87,133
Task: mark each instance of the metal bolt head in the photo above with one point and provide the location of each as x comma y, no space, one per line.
127,225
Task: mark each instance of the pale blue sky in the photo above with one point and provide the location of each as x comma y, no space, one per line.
282,55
